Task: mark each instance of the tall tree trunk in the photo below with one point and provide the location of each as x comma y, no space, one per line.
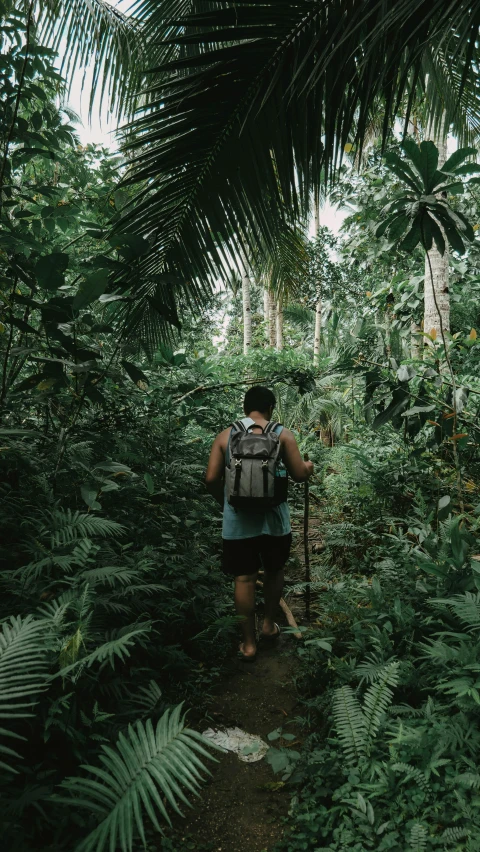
273,320
436,264
318,332
416,344
317,339
247,312
266,314
279,324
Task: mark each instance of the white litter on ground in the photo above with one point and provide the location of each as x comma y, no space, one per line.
248,747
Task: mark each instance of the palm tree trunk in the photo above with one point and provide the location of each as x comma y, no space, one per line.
266,313
416,346
279,324
273,318
318,307
436,294
247,312
318,332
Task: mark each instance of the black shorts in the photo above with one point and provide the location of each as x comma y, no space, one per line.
247,555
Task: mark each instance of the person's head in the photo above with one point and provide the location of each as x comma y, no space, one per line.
260,399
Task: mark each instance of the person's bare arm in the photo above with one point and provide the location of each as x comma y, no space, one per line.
298,469
216,468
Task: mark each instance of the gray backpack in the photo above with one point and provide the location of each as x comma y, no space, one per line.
255,478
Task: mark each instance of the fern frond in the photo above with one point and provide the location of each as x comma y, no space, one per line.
119,646
453,835
70,526
465,607
23,664
371,669
468,779
377,699
145,767
418,838
145,701
24,648
412,772
110,575
56,610
349,723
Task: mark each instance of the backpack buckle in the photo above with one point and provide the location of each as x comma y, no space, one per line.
265,463
238,462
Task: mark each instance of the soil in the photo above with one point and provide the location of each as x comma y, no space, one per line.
242,805
239,811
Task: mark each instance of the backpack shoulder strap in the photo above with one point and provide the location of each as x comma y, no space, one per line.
239,426
271,426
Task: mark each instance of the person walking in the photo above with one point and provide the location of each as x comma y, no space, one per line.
253,537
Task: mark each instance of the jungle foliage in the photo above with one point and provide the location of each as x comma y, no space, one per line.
114,615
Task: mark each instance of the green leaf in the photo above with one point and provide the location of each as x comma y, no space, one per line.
398,404
23,326
278,759
130,246
429,161
406,372
50,268
468,169
412,238
398,226
149,483
28,384
89,494
24,155
135,374
437,235
418,409
402,169
37,119
458,156
458,543
93,287
452,234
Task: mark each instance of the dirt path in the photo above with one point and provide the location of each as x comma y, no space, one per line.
242,804
239,811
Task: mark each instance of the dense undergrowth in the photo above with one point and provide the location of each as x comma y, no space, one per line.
393,657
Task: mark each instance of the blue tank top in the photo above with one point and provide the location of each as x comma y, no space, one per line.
240,523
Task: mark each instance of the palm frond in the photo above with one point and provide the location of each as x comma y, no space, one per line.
95,35
284,266
256,100
146,766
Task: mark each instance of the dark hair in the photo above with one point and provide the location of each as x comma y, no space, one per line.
258,398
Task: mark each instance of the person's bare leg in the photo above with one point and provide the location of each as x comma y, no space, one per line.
272,592
245,605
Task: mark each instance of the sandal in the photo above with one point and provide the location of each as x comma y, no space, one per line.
273,636
246,659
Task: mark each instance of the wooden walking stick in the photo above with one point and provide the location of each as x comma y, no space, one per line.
305,544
